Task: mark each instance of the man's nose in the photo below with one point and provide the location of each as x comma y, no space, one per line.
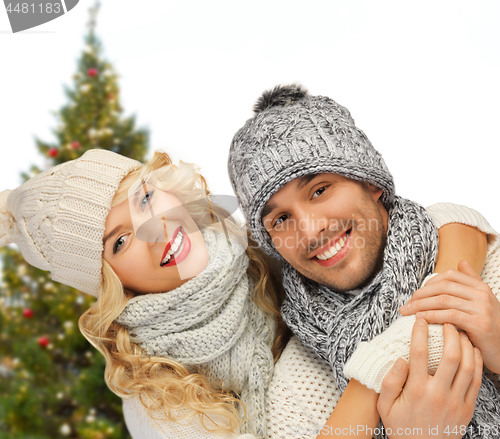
311,225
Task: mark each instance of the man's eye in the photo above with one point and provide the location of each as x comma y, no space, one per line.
280,220
146,199
318,192
119,243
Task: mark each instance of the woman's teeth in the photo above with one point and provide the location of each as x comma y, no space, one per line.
175,246
334,249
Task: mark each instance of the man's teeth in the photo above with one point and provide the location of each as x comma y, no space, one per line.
334,249
173,249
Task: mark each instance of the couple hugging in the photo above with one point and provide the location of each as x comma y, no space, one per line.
194,317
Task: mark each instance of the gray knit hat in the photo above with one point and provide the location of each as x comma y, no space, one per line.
292,135
57,218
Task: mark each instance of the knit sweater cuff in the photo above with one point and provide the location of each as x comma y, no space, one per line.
447,213
372,360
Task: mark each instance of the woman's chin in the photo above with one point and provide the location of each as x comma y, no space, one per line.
193,265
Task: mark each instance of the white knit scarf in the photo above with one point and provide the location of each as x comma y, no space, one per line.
333,324
211,325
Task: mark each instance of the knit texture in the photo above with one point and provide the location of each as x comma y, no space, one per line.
372,360
211,325
309,136
440,213
57,218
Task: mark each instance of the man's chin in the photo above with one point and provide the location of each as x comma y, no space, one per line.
349,283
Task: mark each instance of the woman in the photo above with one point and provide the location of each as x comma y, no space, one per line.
199,357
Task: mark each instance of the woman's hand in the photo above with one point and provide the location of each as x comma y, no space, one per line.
439,406
462,298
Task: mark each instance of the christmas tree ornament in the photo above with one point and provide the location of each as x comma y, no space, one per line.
28,313
92,72
53,152
75,145
43,342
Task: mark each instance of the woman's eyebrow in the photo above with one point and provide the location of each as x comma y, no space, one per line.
110,234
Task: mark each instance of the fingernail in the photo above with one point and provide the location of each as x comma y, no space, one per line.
420,314
397,366
406,306
421,322
450,325
477,352
464,335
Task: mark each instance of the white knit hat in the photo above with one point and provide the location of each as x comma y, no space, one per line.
57,218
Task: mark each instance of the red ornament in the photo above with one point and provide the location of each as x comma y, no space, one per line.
92,71
75,145
28,313
53,152
43,342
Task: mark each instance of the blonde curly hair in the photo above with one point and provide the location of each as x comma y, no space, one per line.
163,385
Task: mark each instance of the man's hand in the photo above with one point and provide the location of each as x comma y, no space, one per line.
462,298
439,406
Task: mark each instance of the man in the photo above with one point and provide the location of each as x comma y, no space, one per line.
317,195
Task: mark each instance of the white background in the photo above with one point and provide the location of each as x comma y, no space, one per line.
421,79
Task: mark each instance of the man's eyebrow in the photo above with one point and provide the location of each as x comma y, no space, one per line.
305,179
268,208
302,181
110,234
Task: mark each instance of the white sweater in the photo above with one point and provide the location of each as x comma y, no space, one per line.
303,394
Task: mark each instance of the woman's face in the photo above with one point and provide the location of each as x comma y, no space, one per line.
152,243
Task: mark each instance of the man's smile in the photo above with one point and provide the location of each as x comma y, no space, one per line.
334,251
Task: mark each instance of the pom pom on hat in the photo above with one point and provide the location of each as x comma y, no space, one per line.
7,222
280,96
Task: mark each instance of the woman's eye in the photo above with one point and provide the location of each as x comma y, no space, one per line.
318,192
146,199
119,243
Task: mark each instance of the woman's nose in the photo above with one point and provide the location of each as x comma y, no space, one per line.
154,229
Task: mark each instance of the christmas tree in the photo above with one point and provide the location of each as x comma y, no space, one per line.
51,378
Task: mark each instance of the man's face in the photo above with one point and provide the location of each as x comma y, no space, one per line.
330,228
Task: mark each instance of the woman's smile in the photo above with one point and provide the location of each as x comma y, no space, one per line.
177,249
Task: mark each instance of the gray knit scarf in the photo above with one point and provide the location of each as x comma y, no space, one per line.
211,325
332,323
